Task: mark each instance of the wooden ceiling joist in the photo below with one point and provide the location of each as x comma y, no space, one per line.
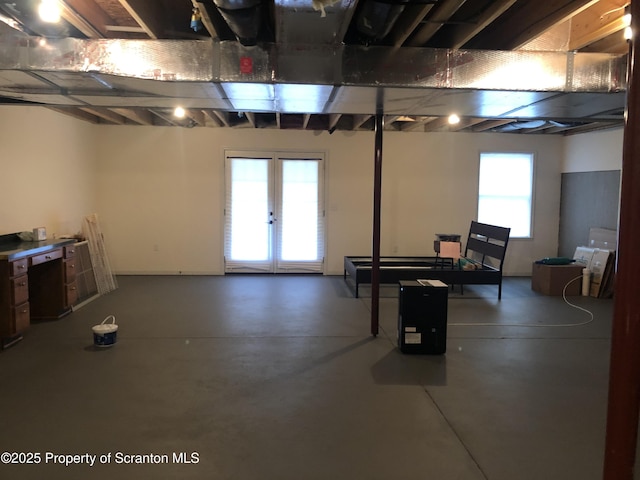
408,21
87,17
205,18
436,18
596,22
465,32
105,114
489,124
223,117
147,15
359,120
213,117
76,113
137,115
197,116
251,117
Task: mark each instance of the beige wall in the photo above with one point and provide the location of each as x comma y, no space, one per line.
597,151
47,165
159,192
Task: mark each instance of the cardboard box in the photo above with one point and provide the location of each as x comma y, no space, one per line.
551,279
583,256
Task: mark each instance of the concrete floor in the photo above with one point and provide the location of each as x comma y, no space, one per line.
277,377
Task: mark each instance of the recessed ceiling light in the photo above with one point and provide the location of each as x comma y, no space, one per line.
49,11
453,119
179,112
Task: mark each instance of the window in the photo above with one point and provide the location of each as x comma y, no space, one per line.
505,191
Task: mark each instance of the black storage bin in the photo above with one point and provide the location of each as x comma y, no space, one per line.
422,317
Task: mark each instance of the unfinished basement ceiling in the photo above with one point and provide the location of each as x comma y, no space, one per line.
510,66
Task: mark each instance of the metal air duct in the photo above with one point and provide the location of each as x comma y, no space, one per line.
312,79
376,18
244,18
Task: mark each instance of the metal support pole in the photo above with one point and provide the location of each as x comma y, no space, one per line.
624,370
377,195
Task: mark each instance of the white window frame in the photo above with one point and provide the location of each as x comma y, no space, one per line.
503,192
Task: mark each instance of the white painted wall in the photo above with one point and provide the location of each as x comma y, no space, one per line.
597,151
161,192
47,165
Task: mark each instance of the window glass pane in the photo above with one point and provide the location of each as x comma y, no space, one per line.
299,217
507,175
500,210
505,191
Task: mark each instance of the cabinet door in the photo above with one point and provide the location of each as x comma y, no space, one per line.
20,289
18,267
71,296
69,270
21,319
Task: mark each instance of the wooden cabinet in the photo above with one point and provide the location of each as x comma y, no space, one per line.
36,283
14,299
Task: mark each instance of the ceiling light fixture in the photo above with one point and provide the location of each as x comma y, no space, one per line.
453,119
628,33
179,112
49,11
626,20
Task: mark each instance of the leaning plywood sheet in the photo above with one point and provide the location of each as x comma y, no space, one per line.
100,260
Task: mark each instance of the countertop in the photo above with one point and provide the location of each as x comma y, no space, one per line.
14,250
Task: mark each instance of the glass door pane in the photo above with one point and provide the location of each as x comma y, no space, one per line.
248,242
300,215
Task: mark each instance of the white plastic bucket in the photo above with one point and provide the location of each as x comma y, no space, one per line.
105,334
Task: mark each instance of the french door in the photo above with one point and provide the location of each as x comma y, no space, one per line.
274,213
